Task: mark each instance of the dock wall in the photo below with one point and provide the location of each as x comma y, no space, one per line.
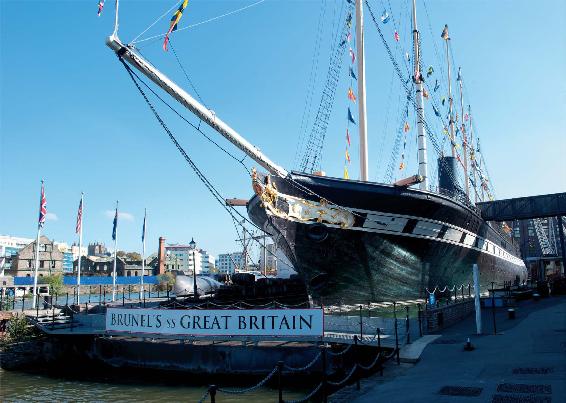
439,318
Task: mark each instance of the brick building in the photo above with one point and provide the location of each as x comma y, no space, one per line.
50,259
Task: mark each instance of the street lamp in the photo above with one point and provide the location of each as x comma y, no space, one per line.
192,246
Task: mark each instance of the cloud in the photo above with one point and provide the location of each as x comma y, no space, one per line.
51,217
122,215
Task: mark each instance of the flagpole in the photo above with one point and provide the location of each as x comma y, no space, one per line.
364,176
115,252
80,249
143,253
37,250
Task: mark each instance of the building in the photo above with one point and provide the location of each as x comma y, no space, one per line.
270,266
228,263
50,259
104,266
97,249
180,257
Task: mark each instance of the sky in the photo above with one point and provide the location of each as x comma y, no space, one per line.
70,115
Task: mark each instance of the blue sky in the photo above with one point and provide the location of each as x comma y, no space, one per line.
69,113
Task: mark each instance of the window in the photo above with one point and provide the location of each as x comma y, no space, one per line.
42,264
53,264
29,263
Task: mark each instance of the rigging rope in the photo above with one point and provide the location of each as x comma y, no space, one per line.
201,22
157,20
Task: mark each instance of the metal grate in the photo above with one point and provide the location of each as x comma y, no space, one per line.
533,371
520,399
524,388
460,391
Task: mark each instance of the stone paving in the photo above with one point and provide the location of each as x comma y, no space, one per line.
524,362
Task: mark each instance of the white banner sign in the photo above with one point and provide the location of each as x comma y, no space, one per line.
229,322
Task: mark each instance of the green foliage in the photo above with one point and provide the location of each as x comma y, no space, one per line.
17,330
55,282
165,281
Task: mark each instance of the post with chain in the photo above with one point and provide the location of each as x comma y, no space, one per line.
420,315
379,350
462,292
469,290
280,380
123,297
493,307
396,333
324,386
212,391
67,300
356,357
361,324
407,330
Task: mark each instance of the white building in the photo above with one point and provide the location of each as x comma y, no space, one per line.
180,257
227,263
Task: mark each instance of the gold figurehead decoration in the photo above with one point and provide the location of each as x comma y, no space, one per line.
299,209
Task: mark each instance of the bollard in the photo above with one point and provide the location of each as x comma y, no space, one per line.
280,380
212,391
356,361
493,307
407,325
324,391
396,333
511,313
361,324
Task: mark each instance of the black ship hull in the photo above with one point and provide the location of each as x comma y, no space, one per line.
358,242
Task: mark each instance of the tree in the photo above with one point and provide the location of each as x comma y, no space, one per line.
165,281
55,282
133,256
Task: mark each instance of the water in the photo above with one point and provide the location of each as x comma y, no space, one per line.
16,386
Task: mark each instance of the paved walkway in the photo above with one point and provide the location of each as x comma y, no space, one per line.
524,362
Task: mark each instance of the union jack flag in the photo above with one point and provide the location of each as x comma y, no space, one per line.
42,207
79,218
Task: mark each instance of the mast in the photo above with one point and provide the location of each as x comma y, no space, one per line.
421,138
464,140
361,91
473,155
208,116
446,38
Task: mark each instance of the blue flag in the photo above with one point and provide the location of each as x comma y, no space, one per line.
350,117
385,17
143,229
115,225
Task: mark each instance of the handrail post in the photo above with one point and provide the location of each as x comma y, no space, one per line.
420,315
361,324
280,380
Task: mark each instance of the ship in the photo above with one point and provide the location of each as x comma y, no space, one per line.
357,241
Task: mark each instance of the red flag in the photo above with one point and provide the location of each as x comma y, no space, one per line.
351,95
396,35
352,55
406,127
348,137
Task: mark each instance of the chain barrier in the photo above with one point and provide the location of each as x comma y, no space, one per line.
341,352
343,381
251,389
310,364
203,398
307,397
372,364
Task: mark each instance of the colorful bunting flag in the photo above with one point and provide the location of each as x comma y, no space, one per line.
347,155
429,71
401,166
348,137
349,20
174,22
350,117
396,36
459,78
444,34
466,117
351,95
406,127
385,17
349,37
425,93
443,100
436,86
346,175
100,7
352,55
352,74
435,111
407,56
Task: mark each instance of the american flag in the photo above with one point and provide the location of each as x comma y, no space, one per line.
42,207
79,218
